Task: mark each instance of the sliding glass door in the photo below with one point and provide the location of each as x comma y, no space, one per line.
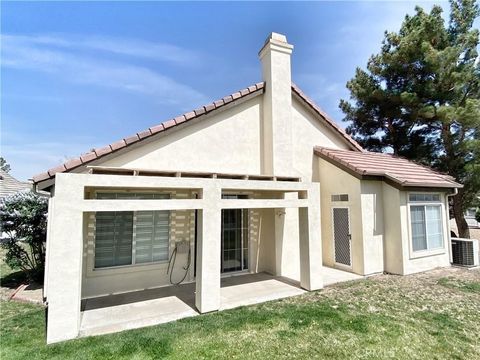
234,256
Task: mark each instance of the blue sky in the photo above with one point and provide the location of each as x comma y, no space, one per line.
80,75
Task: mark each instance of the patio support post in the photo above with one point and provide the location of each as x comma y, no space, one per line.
64,276
207,297
311,241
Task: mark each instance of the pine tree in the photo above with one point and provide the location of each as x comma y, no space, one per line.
420,97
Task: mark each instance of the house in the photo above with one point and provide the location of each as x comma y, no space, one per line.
473,224
261,181
10,186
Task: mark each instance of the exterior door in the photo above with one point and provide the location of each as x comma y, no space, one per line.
234,255
341,236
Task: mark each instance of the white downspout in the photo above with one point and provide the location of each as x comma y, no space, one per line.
455,192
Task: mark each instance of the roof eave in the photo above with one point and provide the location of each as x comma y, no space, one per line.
388,178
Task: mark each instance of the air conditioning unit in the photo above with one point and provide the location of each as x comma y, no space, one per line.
465,252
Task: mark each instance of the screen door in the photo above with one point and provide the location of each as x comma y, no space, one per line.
341,236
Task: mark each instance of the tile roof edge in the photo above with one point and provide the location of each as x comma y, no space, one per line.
325,116
326,151
163,126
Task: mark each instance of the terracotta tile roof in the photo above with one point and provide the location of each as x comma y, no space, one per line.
98,153
325,116
387,166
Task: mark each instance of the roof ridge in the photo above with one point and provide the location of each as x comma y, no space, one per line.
110,148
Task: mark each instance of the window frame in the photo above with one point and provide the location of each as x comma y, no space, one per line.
441,204
134,235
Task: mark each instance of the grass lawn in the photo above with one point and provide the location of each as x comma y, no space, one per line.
435,315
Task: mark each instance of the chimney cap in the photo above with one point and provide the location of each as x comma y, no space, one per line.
277,37
277,42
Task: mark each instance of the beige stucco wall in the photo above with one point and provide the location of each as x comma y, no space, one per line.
372,226
337,181
229,141
393,237
307,133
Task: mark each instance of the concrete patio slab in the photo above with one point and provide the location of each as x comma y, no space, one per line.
134,315
333,276
114,313
256,292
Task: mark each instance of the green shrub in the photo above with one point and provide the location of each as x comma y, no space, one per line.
23,218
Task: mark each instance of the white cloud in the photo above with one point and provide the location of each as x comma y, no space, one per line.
353,43
28,156
82,69
122,46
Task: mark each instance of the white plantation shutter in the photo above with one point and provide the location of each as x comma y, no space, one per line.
152,230
115,238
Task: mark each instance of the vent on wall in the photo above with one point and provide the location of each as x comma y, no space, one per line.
465,252
340,197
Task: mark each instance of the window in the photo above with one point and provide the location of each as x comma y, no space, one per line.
340,197
426,222
127,237
424,197
113,238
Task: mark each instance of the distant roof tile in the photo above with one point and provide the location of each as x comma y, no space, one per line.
9,185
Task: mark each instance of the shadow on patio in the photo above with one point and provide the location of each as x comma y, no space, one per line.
113,313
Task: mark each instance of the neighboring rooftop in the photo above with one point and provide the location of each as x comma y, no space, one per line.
9,185
195,114
392,168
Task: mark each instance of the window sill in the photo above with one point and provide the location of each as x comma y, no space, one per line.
426,253
125,269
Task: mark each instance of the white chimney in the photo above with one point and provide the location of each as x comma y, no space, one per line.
277,106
